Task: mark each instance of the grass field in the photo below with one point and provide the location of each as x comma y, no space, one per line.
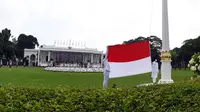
37,77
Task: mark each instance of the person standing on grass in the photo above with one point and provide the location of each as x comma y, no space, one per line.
7,62
17,62
1,63
10,64
24,62
155,71
106,71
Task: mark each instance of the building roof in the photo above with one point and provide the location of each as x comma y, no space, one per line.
65,49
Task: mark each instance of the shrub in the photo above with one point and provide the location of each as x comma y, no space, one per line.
174,97
194,64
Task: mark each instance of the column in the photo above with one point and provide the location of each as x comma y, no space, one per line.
35,60
29,61
91,58
38,58
102,60
49,56
165,54
82,55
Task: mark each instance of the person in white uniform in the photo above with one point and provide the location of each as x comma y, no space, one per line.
106,72
17,62
155,71
10,64
1,63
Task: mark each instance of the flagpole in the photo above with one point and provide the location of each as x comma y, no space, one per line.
70,43
165,54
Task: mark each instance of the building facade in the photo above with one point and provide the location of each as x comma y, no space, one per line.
63,55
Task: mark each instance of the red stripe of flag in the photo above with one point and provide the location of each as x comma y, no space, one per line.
128,52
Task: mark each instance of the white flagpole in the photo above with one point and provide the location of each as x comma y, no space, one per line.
70,43
166,61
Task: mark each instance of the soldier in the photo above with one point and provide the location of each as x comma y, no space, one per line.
155,71
1,63
10,64
17,62
24,62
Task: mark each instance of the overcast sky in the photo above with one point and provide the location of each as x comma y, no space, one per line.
99,22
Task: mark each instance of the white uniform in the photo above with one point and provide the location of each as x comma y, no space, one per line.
88,65
106,73
1,62
10,63
51,62
155,71
17,61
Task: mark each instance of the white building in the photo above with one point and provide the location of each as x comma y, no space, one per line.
63,55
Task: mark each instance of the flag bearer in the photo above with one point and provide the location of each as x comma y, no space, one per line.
155,71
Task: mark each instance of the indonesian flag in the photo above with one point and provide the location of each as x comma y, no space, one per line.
129,59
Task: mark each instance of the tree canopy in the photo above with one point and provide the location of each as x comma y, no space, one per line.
185,52
11,47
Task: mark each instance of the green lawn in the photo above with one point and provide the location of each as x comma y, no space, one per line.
37,77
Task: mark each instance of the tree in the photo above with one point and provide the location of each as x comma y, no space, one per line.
185,52
1,45
26,42
139,39
173,57
14,41
6,46
16,48
188,48
155,42
11,47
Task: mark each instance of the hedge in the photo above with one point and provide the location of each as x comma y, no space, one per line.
183,96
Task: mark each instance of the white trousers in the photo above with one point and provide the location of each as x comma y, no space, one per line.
106,77
154,80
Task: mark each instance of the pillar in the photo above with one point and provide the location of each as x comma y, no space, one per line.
29,61
38,58
83,58
92,58
102,60
165,54
49,56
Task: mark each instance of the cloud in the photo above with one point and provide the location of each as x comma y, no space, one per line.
99,22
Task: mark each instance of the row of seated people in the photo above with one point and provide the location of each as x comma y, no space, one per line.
67,69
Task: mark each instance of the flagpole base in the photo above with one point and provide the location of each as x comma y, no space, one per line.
165,81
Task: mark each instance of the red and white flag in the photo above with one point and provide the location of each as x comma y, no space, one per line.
129,59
